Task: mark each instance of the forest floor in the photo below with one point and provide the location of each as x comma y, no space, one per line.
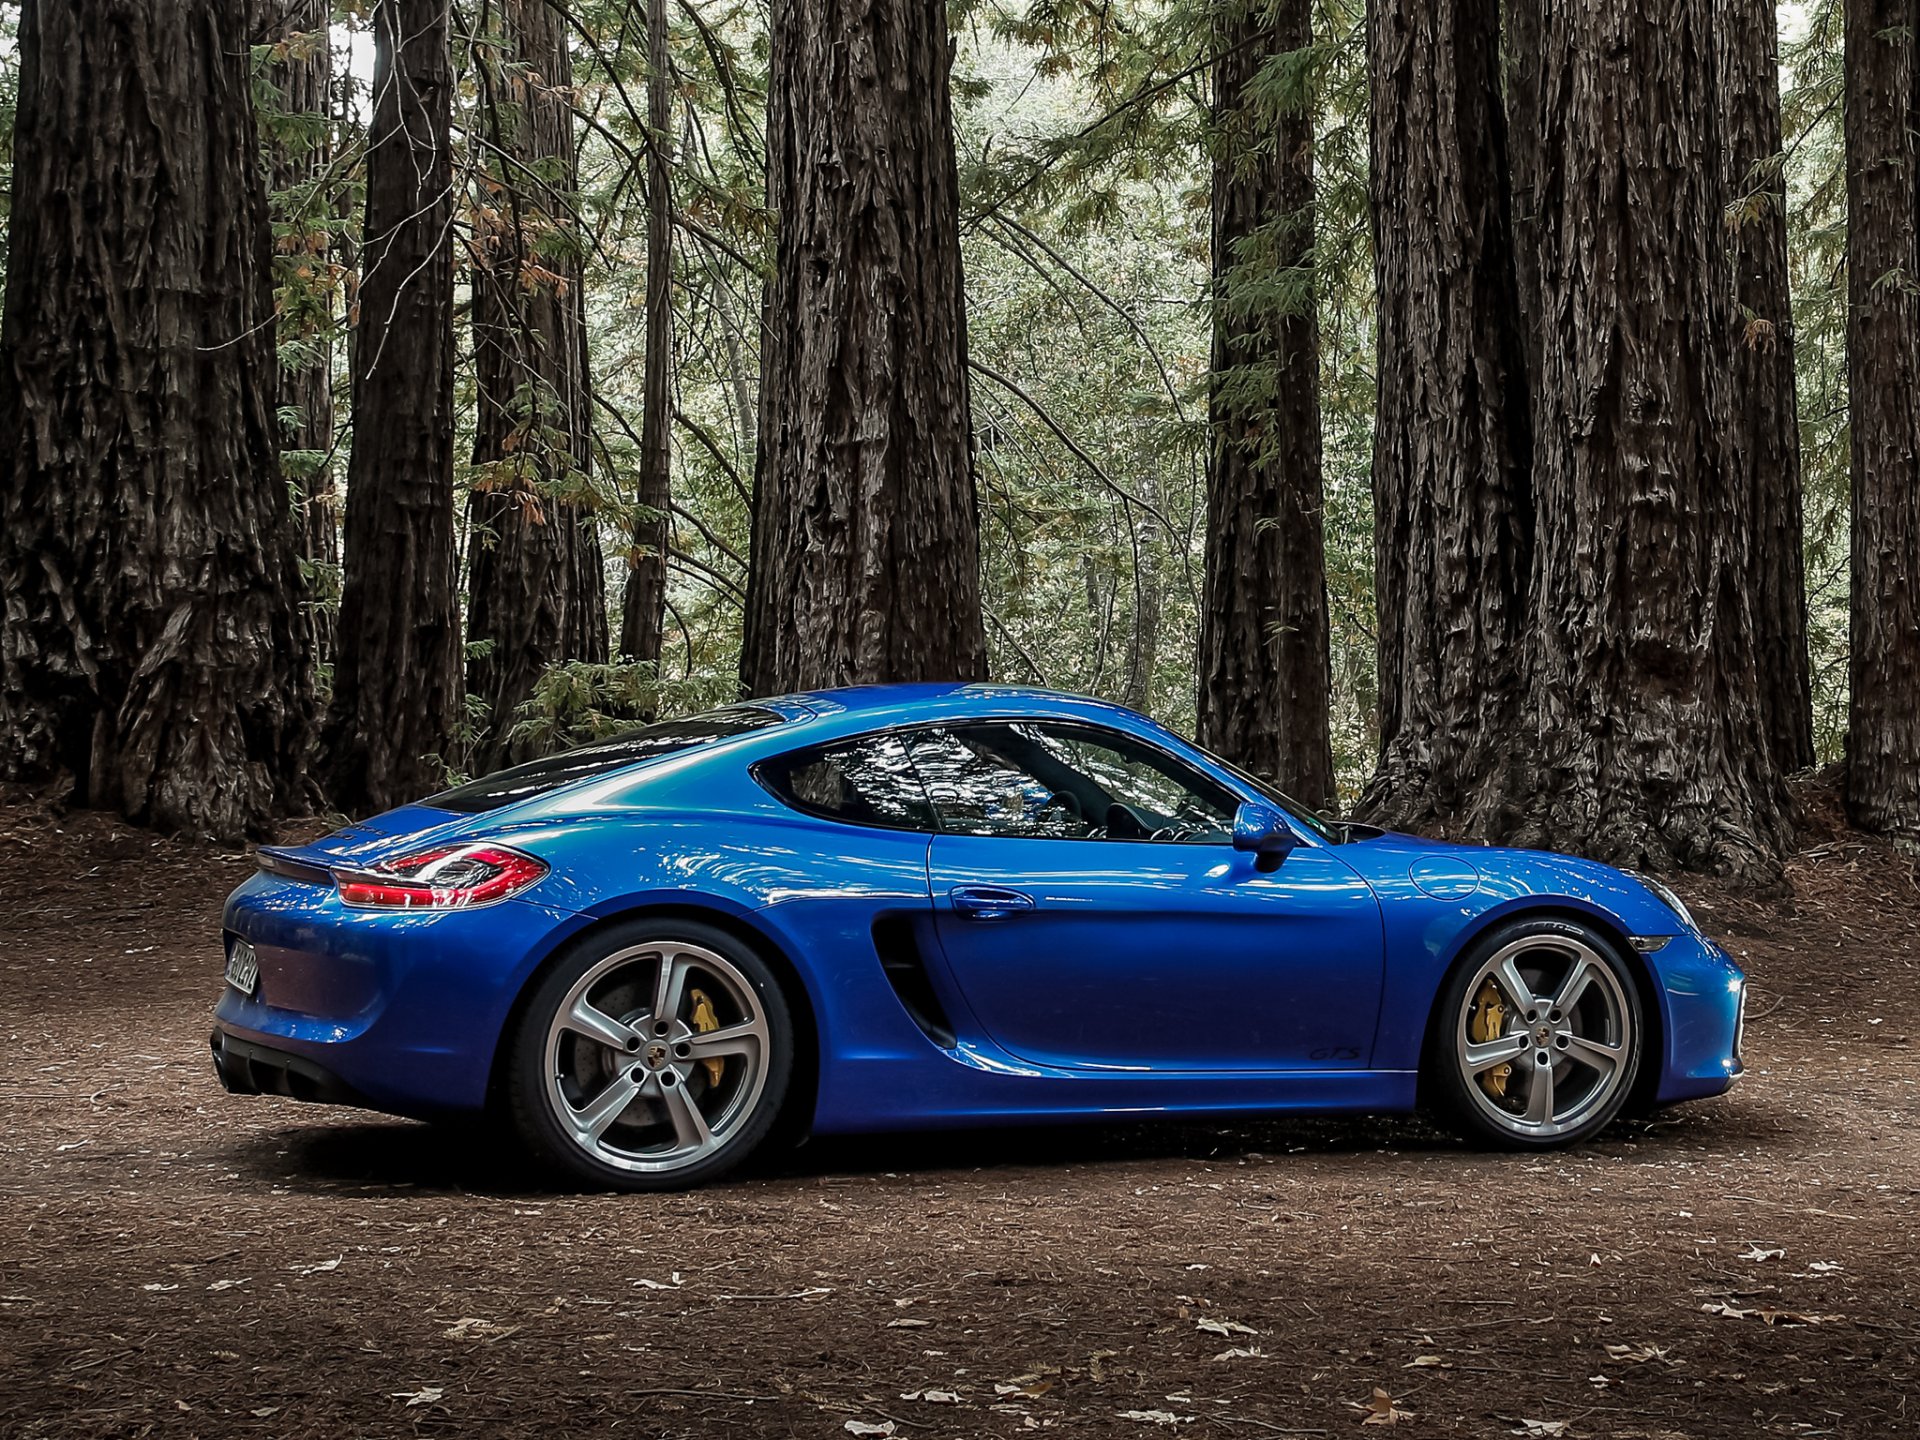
176,1260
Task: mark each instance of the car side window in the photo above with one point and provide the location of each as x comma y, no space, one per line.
1042,780
869,780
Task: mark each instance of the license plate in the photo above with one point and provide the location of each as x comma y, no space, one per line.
243,968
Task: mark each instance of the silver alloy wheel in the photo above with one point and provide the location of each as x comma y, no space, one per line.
631,1073
1566,1036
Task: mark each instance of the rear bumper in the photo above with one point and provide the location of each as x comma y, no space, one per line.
247,1068
398,1011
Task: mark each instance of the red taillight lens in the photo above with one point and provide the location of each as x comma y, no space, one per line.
450,878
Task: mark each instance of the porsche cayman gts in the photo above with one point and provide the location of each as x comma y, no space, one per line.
909,906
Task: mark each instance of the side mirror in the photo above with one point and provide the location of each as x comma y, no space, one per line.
1264,831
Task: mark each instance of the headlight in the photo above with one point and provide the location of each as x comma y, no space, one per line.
1673,901
1739,987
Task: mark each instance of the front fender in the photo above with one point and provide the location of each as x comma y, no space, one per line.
1439,901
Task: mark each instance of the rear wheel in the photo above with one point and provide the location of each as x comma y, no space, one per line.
655,1058
1537,1037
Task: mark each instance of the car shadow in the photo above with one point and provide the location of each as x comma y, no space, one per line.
361,1152
357,1155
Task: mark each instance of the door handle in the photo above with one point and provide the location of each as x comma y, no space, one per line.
988,902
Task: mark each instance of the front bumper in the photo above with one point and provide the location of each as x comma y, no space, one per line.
1706,997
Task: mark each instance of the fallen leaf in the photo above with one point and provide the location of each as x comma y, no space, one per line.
227,1284
1225,1327
1541,1427
319,1269
933,1397
908,1324
472,1327
425,1395
1639,1354
1381,1410
159,1288
1428,1362
1769,1316
1156,1417
1241,1352
1756,1254
865,1427
265,1410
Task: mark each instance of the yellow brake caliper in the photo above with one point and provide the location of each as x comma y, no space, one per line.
1488,1021
704,1020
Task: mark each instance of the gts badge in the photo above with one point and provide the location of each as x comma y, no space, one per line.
1336,1052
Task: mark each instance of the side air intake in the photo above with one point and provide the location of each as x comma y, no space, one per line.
900,941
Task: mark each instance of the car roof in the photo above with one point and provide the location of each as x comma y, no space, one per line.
936,700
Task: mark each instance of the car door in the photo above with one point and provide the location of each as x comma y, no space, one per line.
1095,915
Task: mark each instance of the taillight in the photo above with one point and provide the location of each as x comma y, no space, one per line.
451,878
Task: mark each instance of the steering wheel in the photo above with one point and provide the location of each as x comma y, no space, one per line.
1064,803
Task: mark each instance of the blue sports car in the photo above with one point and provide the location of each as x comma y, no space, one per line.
916,905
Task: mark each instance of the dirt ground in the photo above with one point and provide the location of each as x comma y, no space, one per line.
176,1260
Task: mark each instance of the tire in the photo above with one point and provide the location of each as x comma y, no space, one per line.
1570,1051
605,1094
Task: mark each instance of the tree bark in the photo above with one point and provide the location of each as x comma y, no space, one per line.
536,596
865,562
396,683
150,642
1524,36
302,72
1453,505
1646,738
1265,672
644,614
1883,350
1766,413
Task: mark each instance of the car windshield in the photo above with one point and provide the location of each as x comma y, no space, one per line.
645,742
1334,832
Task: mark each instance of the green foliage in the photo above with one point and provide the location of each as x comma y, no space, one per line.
576,702
9,100
1813,80
1085,143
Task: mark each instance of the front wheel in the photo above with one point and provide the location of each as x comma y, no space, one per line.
1537,1037
655,1058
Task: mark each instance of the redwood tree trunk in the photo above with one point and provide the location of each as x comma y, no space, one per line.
150,642
1525,36
1766,413
1883,349
302,72
396,682
1265,677
643,614
865,562
530,599
1645,739
1453,508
